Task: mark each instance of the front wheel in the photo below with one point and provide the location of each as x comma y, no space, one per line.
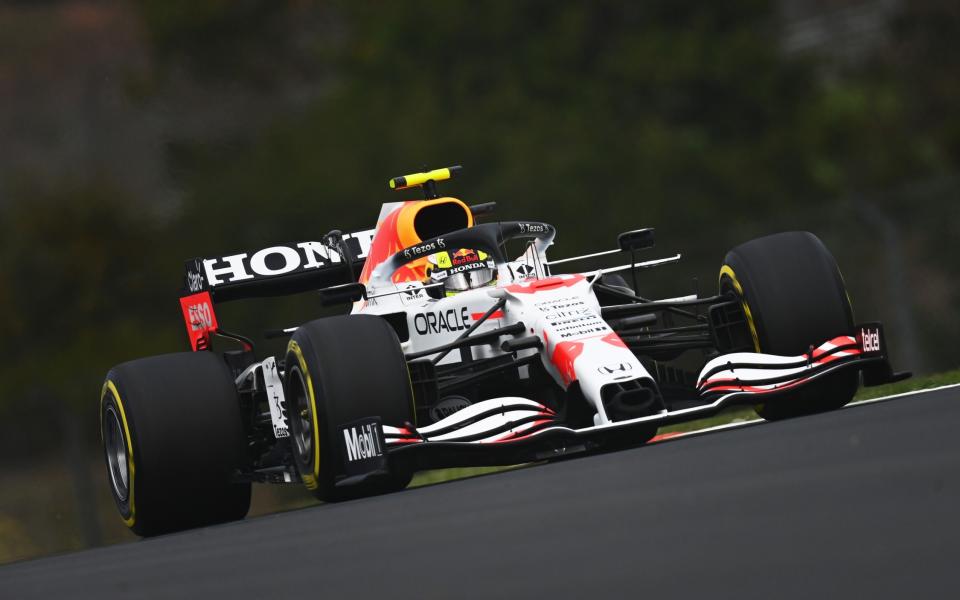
339,370
173,441
793,297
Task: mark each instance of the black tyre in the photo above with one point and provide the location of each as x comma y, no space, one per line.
341,369
173,440
794,298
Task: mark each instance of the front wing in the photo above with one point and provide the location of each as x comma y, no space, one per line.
515,430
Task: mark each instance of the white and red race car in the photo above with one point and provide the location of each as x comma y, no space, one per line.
465,345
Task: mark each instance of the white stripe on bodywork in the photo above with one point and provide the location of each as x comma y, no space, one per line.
465,414
491,424
742,375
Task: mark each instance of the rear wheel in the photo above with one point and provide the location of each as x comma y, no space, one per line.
173,441
794,298
338,370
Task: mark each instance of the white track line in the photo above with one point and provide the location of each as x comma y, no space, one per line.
755,421
902,394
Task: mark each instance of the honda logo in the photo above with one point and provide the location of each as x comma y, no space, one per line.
617,368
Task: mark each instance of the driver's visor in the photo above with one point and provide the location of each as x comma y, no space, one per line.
468,280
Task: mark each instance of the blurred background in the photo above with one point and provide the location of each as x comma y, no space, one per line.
135,135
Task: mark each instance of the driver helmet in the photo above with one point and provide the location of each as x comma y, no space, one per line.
462,270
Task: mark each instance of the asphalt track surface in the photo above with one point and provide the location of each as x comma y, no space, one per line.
861,503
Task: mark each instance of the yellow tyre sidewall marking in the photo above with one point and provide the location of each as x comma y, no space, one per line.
846,293
109,386
413,399
728,271
311,480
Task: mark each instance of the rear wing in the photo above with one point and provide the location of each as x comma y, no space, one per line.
330,266
275,271
280,270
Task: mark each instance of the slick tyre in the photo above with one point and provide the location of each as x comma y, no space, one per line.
173,440
338,370
794,298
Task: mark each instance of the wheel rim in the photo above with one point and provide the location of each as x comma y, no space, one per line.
115,445
303,415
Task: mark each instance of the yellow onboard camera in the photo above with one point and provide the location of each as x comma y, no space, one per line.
427,180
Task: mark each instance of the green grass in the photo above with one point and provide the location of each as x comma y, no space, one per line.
909,385
733,415
730,416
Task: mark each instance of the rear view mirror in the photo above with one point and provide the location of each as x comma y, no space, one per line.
637,239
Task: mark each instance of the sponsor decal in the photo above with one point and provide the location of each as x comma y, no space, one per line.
466,267
423,249
275,261
362,442
524,271
571,317
275,398
199,318
465,257
447,407
364,449
580,332
194,279
532,228
614,368
870,339
444,321
413,293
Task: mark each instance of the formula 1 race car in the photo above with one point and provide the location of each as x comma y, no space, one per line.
456,354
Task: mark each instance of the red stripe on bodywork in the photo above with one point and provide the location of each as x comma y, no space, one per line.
840,354
544,284
514,436
664,436
564,355
497,314
836,342
385,243
614,340
758,390
404,441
